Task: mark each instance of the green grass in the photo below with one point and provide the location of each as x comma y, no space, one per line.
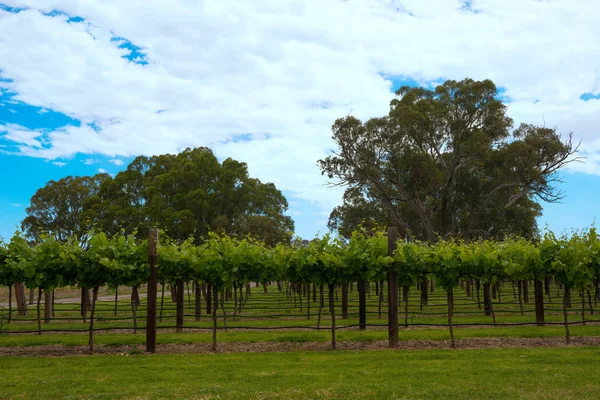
296,336
556,373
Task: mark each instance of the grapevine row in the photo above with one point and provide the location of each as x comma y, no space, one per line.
226,263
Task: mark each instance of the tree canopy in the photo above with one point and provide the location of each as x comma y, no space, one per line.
59,208
446,162
187,195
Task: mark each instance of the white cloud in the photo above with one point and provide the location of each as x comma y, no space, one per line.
281,71
59,164
102,171
17,205
116,162
22,135
89,161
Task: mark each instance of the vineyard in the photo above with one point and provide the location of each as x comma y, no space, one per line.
368,283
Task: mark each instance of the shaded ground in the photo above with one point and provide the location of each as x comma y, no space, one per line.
236,347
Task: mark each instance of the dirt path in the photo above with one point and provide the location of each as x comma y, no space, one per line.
204,348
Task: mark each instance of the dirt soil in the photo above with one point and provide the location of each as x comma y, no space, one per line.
200,348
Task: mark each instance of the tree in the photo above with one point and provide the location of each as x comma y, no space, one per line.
190,194
58,208
356,213
444,162
119,203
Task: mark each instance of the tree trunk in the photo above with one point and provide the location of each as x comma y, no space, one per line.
539,301
295,293
198,301
187,285
314,291
568,294
209,306
31,296
493,312
477,288
91,338
320,309
519,284
450,296
547,289
180,304
590,302
162,301
134,308
223,308
499,291
582,305
116,299
405,295
526,291
39,318
487,301
468,288
21,300
344,300
9,303
424,295
214,316
566,322
380,297
308,302
173,292
494,291
332,308
48,298
235,302
322,295
362,305
85,301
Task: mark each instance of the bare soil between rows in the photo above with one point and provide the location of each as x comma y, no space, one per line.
260,347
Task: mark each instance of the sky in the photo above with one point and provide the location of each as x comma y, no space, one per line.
87,85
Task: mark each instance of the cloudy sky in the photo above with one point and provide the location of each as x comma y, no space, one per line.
86,85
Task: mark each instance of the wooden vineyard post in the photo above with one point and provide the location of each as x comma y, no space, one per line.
152,293
392,291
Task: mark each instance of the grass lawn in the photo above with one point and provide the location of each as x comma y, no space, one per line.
296,336
545,373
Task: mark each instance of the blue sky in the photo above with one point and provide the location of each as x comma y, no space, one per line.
86,87
26,174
